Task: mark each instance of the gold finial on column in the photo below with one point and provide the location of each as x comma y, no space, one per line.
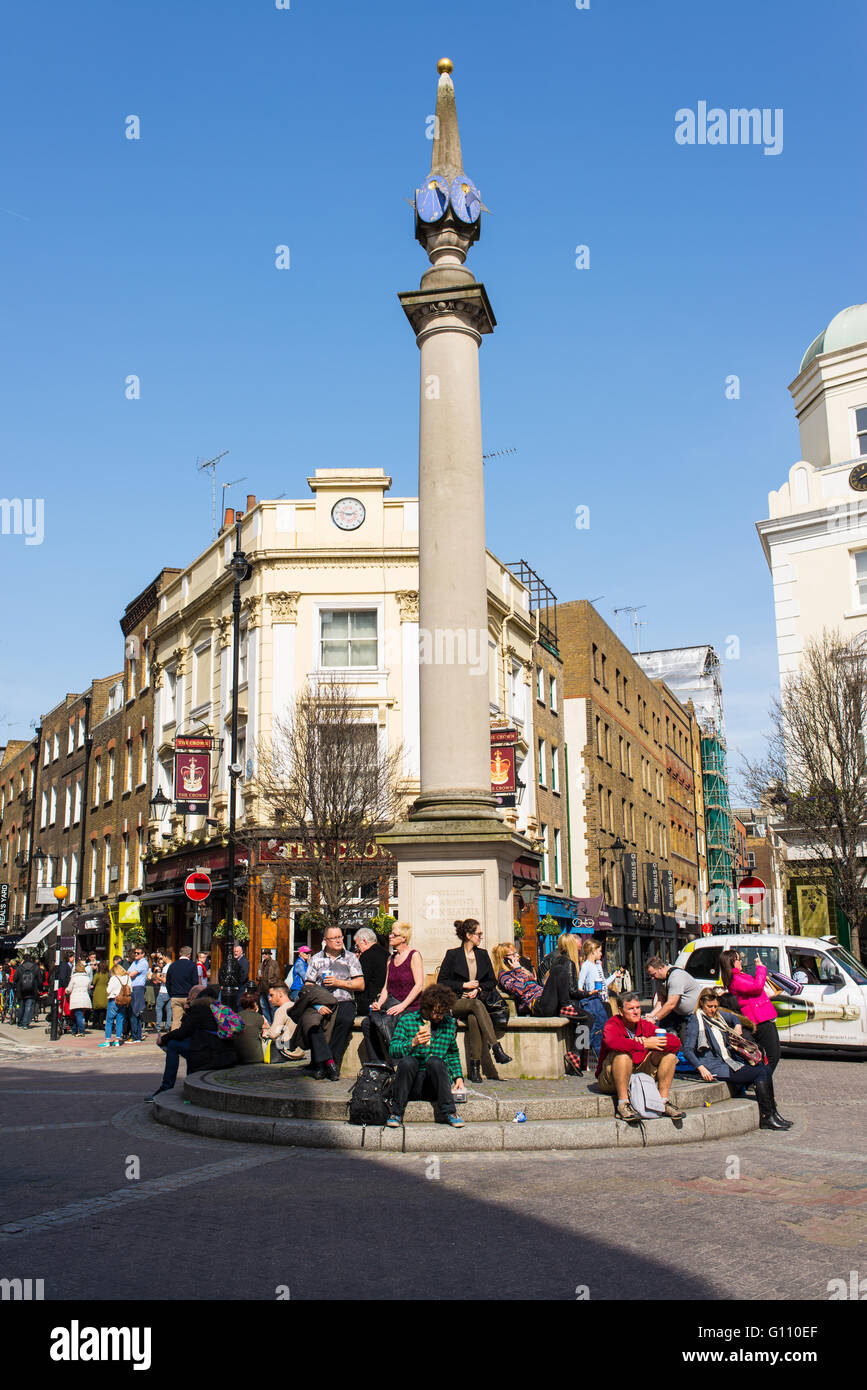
445,65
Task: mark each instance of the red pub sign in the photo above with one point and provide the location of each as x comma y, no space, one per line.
192,773
503,775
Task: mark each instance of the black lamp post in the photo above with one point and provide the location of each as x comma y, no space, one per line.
240,567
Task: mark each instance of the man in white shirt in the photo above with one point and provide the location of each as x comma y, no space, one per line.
339,971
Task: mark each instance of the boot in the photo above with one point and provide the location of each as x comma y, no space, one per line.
777,1115
474,1073
499,1055
766,1107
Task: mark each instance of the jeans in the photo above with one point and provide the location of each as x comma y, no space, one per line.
599,1015
79,1021
265,1006
164,1013
114,1018
136,1009
411,1083
174,1052
25,1010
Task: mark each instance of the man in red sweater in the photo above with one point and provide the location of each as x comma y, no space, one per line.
630,1043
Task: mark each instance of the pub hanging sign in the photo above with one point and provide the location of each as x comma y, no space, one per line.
503,774
668,904
192,774
652,898
630,872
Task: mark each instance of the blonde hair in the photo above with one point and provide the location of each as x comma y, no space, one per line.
118,969
588,946
567,945
80,966
499,953
406,928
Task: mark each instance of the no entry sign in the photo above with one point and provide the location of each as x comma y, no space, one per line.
197,887
751,890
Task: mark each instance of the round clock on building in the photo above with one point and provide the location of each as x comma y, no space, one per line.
858,477
466,199
348,513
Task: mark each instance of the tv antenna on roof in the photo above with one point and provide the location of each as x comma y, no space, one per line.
498,453
212,464
226,486
636,622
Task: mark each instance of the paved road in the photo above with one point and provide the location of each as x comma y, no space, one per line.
83,1161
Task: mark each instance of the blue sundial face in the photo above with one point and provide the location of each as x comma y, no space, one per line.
466,199
432,198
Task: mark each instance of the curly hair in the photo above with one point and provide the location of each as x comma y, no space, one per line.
437,998
465,928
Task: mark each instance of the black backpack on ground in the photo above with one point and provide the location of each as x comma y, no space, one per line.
370,1096
27,977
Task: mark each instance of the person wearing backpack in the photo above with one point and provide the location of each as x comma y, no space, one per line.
203,1037
26,983
119,997
630,1045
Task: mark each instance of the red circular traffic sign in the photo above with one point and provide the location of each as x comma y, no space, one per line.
751,889
197,887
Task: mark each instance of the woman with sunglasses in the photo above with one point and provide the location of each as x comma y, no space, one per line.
715,1046
754,1004
404,982
467,971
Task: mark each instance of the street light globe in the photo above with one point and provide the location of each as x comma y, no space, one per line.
61,892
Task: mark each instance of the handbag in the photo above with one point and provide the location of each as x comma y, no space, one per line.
497,1007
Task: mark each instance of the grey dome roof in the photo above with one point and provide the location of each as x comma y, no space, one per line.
846,329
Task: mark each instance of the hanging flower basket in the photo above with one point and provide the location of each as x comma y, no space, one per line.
241,933
382,923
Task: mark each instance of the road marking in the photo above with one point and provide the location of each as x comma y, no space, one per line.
70,1124
139,1192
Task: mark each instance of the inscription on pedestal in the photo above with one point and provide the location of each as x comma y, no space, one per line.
437,901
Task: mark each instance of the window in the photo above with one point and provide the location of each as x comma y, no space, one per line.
106,866
67,805
555,777
202,671
623,817
52,810
81,731
46,751
115,697
97,781
131,680
145,661
125,861
127,783
622,755
171,694
94,867
76,815
599,744
541,751
556,856
594,662
604,675
861,578
617,689
544,829
516,693
70,739
629,759
751,859
139,851
348,637
109,790
625,701
607,745
55,747
601,807
143,764
43,811
540,684
861,429
610,800
554,694
73,875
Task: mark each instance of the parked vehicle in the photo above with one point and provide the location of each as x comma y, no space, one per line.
830,1011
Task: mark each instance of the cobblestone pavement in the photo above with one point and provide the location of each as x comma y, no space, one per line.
767,1216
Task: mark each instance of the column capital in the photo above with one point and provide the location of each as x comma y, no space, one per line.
284,607
407,600
467,303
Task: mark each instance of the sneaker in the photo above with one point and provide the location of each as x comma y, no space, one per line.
626,1112
672,1111
454,1120
158,1092
394,1122
115,1043
106,1044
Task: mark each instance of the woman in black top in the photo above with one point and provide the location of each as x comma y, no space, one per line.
467,970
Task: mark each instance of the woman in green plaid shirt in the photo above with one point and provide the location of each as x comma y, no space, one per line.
428,1060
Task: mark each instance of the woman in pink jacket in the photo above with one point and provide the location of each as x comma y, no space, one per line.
754,1004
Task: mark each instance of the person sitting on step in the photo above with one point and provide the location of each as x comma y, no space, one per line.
717,1047
541,1001
468,972
630,1044
428,1063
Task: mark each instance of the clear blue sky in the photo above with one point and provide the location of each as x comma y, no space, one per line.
262,126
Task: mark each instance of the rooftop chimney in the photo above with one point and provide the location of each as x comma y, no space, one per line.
229,518
251,501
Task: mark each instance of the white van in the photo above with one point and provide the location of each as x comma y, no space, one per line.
831,1010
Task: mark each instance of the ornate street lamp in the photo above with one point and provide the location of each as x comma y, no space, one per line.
240,568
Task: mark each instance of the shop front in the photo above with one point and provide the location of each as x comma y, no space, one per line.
170,919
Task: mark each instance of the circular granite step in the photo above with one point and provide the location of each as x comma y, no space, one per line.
270,1105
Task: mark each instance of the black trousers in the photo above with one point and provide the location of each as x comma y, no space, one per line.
747,1076
768,1039
321,1050
375,1038
411,1083
554,996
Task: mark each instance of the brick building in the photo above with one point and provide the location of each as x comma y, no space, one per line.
629,782
17,771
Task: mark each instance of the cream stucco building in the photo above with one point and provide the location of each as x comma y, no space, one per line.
815,537
333,592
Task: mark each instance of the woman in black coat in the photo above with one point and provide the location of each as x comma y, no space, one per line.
196,1038
467,970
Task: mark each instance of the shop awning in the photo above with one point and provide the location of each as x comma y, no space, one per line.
42,928
165,895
